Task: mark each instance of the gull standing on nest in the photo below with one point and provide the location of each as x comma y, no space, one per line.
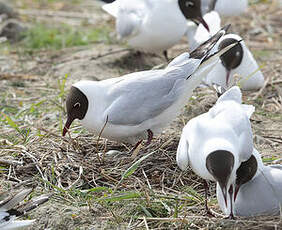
138,105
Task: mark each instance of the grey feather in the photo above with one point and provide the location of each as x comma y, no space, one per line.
147,94
34,203
11,202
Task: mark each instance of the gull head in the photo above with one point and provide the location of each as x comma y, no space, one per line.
232,58
220,164
77,106
191,9
245,173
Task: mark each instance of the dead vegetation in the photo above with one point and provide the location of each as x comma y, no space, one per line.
99,183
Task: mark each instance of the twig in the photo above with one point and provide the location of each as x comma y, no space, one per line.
55,13
99,136
109,53
8,76
261,90
148,183
10,162
52,134
78,179
145,222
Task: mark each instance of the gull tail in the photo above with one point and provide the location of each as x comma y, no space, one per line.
234,94
203,50
10,209
206,55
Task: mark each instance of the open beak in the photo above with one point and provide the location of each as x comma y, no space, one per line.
67,125
224,192
202,21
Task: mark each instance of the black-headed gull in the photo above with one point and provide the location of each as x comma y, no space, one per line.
9,212
258,189
154,26
237,61
215,143
225,7
140,104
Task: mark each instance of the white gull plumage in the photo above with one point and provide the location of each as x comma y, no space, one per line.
226,127
208,131
148,25
225,7
196,35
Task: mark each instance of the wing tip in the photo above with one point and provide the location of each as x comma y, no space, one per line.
204,49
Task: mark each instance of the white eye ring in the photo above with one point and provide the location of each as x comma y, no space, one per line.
76,104
189,4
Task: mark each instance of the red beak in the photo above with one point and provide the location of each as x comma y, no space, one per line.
201,20
237,187
224,192
67,125
227,77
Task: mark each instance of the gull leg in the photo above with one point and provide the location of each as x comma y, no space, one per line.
149,139
165,55
150,136
136,146
208,211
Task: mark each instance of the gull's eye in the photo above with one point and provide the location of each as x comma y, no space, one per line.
77,104
189,4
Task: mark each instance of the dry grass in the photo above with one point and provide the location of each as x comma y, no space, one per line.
94,188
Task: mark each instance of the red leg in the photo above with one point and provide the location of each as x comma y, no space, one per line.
166,56
150,136
135,146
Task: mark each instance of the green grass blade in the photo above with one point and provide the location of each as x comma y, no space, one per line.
133,167
10,121
127,196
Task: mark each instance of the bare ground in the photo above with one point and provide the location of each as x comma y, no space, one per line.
91,189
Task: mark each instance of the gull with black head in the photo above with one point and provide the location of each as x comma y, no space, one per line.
139,105
237,61
258,189
154,26
215,143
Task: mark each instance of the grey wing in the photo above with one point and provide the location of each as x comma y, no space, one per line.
141,99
